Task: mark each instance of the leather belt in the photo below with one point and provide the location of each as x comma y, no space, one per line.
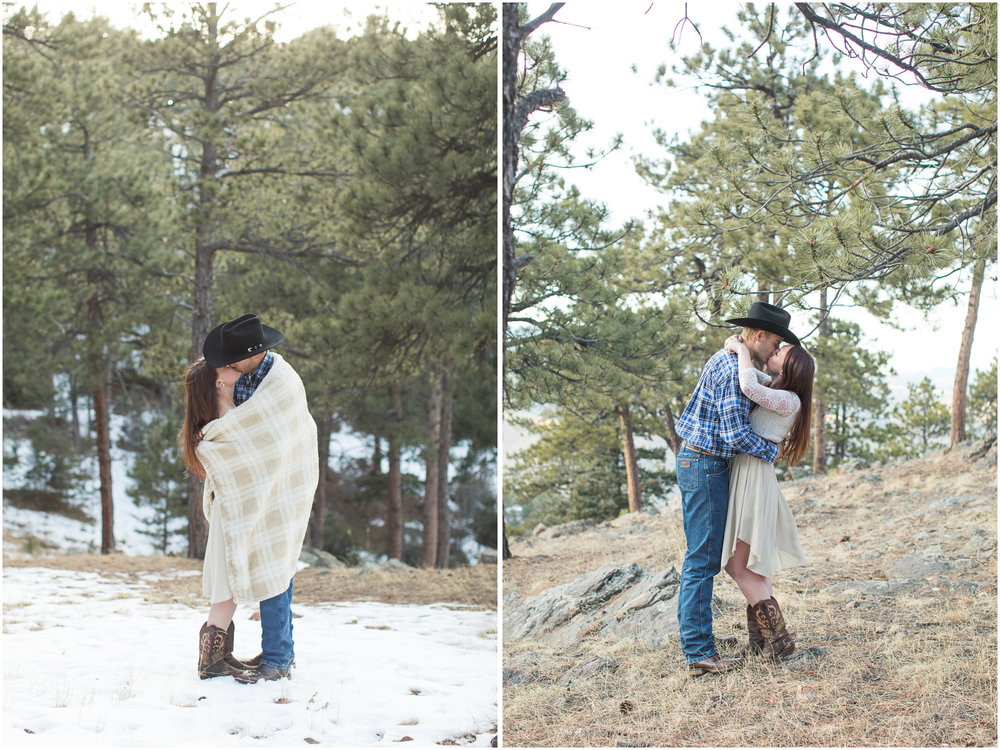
696,449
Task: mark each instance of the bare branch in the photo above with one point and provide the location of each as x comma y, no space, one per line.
979,210
770,30
680,24
892,26
526,29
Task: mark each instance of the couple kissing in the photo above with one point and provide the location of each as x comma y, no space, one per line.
737,424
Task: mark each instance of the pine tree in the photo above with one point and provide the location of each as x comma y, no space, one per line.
158,477
250,143
416,215
581,330
915,200
222,92
779,197
851,381
575,469
707,244
915,194
84,209
520,98
921,418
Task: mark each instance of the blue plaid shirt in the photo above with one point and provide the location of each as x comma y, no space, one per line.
716,418
248,382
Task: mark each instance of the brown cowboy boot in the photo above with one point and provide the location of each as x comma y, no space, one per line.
726,640
778,643
756,644
716,663
264,672
213,643
231,660
255,661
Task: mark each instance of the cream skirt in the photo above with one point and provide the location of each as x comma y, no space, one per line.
215,578
759,515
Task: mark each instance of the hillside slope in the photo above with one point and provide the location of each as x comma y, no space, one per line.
894,614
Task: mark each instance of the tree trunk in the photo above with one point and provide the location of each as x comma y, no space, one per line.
165,529
317,517
516,111
103,430
958,399
512,36
100,374
511,50
74,397
204,256
840,444
394,504
377,457
444,453
631,463
673,439
102,404
819,437
430,543
200,328
819,407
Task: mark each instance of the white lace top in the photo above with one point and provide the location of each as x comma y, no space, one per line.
778,408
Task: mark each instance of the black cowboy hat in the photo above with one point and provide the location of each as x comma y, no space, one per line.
768,318
239,339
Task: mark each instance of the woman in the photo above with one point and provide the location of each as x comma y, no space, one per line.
761,537
208,395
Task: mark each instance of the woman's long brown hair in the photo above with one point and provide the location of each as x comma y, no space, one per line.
201,406
797,376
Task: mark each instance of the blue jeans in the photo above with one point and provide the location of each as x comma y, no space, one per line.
276,630
704,485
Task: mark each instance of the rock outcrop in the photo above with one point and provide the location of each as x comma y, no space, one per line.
614,600
317,558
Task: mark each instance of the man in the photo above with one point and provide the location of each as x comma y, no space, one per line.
715,427
262,466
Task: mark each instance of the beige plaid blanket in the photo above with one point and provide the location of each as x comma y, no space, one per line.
262,468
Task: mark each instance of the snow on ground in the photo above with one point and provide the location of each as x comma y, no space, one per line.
59,532
87,662
68,535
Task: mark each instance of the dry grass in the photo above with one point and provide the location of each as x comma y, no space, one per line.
475,586
913,667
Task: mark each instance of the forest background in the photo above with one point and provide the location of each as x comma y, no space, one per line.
840,163
163,177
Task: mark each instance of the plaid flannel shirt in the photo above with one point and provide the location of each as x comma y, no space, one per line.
716,418
249,382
